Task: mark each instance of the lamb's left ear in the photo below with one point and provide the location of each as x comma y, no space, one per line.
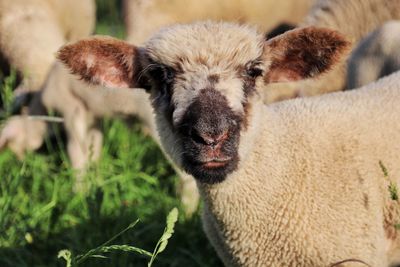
103,61
303,53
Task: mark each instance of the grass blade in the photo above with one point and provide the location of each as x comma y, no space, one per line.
172,218
82,258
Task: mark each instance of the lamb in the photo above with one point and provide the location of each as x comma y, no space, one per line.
375,56
295,183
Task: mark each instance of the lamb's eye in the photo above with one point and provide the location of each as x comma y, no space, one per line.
162,73
168,75
254,72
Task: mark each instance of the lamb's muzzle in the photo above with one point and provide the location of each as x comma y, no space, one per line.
210,133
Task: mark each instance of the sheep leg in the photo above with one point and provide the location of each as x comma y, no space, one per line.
76,125
21,133
84,141
95,138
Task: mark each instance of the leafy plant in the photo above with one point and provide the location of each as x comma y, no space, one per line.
105,248
168,231
394,195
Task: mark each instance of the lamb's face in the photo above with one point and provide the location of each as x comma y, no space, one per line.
202,89
204,80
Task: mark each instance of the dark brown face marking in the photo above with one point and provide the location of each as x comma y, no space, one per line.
161,79
213,78
249,74
210,133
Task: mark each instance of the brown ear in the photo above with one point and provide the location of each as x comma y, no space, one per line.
103,61
303,53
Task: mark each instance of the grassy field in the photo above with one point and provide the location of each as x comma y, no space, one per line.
41,215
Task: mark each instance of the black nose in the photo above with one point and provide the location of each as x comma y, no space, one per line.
209,139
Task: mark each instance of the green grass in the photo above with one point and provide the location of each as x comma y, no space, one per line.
41,215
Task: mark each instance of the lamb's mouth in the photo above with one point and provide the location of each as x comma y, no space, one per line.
215,163
210,170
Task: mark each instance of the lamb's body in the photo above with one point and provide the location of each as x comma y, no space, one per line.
321,195
376,56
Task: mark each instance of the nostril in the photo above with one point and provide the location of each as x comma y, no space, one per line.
198,138
208,139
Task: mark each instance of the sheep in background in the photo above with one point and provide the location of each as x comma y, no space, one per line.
295,183
30,34
355,19
145,17
32,31
377,55
82,106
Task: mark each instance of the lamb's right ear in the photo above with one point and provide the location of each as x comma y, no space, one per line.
103,61
303,53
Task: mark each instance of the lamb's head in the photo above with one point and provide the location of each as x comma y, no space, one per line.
204,80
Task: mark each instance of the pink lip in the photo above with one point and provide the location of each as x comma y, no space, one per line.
215,163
